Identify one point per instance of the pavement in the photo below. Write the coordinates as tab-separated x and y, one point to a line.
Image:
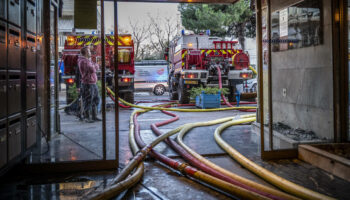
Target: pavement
81	141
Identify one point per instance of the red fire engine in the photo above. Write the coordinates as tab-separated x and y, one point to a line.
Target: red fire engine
72	47
194	61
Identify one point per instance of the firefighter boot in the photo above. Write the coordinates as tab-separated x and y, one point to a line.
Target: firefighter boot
94	115
87	118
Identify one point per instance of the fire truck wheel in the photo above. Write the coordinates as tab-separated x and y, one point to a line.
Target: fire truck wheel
231	94
159	90
173	95
129	97
184	95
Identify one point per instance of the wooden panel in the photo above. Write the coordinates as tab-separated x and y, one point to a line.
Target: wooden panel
331	163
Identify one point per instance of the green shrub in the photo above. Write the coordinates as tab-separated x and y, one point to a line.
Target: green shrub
196	91
72	91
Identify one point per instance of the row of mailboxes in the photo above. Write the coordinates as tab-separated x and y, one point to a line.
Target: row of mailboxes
12	58
11	136
14	13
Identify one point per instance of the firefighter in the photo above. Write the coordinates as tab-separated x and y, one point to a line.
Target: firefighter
89	89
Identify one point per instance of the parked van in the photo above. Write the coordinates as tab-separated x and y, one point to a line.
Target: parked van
152	76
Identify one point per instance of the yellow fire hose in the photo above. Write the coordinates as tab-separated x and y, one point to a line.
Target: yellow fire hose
254	71
129	181
180	109
248	182
133	179
278	181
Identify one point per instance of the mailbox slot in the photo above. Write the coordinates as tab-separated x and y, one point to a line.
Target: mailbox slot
14	93
31	53
31	90
14	137
3	94
14	48
3	41
31	128
14	13
3	142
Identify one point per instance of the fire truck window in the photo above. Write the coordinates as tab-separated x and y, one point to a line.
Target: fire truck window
123	56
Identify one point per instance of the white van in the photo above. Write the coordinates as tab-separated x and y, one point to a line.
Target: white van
152	76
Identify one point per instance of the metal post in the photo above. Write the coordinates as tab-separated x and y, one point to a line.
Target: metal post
103	71
47	89
116	84
260	74
57	117
269	63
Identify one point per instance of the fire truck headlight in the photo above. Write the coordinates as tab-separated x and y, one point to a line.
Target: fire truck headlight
189	44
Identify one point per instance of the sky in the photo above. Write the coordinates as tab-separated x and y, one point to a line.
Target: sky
138	12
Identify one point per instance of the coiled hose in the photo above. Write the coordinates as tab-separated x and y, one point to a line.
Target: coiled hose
278	181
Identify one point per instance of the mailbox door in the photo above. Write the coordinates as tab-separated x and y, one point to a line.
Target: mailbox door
14	93
14	13
3	94
3	143
14	138
14	48
3	41
31	53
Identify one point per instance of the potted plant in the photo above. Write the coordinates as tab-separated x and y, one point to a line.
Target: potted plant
208	97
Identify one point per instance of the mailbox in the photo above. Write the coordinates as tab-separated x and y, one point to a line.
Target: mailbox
31	53
14	48
13	93
3	143
3	9
14	12
31	90
3	94
31	16
3	41
14	136
31	128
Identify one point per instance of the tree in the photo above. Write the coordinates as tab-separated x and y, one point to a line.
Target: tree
236	20
139	34
161	32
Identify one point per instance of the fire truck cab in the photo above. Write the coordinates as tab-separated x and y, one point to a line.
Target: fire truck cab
126	71
194	61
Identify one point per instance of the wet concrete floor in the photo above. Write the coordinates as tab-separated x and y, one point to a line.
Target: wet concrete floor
80	141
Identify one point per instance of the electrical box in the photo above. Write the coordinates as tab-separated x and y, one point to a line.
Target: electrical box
3	43
14	93
31	128
3	94
3	143
31	90
31	53
14	137
14	13
31	16
14	48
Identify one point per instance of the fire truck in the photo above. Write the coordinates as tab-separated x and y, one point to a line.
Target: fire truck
194	61
71	51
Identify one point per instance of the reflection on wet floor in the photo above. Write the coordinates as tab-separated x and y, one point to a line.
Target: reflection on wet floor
159	182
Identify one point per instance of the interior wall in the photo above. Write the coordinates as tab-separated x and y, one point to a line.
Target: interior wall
307	75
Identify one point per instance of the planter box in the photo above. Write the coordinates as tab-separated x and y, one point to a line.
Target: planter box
208	100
